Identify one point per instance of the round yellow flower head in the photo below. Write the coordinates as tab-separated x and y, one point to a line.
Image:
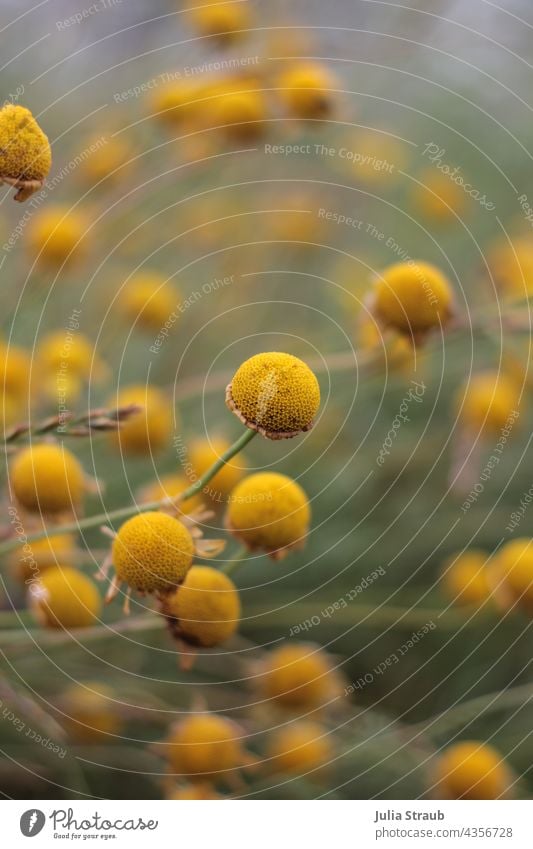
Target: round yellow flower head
299	676
275	394
299	748
466	577
395	350
514	566
203	453
58	235
108	160
153	552
511	264
25	155
15	368
69	354
308	90
412	297
176	103
147	300
224	21
149	430
90	713
269	512
65	598
371	157
171	486
438	197
205	610
30	559
205	747
241	113
472	770
488	402
47	479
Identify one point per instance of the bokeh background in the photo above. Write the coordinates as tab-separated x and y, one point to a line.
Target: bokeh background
251	242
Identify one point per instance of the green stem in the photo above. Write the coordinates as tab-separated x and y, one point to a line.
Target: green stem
236	562
126	512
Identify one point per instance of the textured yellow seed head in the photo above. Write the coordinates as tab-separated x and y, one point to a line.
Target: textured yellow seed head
299	748
90	712
466	577
205	746
206	607
298	675
64	598
514	566
58	235
412	297
153	552
24	149
149	430
147	300
487	402
472	770
203	453
308	90
47	479
276	394
269	512
30	559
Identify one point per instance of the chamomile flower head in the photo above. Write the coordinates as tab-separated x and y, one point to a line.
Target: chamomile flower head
152	552
90	713
25	155
488	402
62	597
472	770
203	453
58	235
299	748
412	297
308	90
206	746
47	478
176	103
147	300
298	675
30	559
269	512
205	610
147	431
466	577
223	21
275	394
514	567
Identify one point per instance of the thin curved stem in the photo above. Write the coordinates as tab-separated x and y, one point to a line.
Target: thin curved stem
132	509
236	562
